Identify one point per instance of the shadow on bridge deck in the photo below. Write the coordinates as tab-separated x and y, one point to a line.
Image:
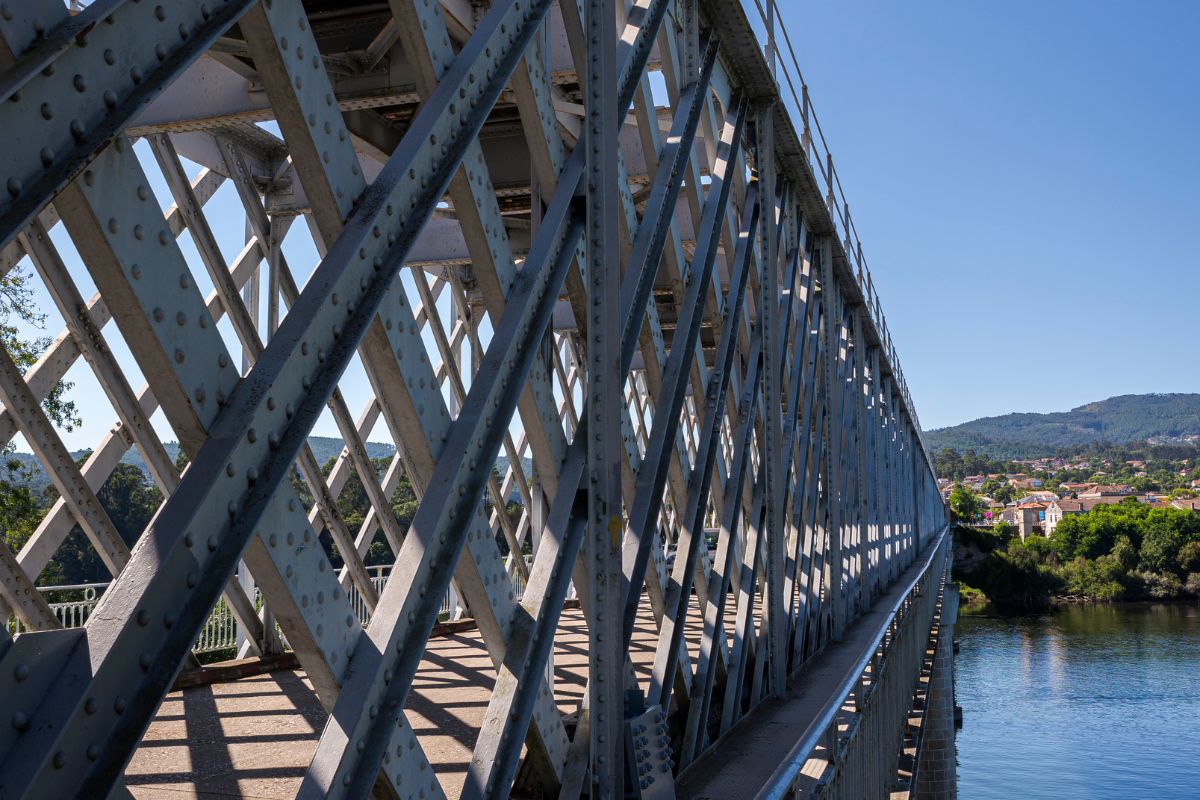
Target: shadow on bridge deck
255	737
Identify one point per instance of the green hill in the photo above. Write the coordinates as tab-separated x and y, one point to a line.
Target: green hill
1128	418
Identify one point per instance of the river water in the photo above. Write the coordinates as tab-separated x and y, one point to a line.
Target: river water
1092	702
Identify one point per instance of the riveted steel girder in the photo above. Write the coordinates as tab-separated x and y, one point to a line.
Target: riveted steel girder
574	271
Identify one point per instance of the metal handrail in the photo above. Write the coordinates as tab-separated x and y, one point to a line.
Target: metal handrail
780	782
72	587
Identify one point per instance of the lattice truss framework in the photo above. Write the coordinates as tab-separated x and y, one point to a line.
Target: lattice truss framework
445	160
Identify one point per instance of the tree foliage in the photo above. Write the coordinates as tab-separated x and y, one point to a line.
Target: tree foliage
1123	551
950	463
130	499
17	308
964	504
1157	535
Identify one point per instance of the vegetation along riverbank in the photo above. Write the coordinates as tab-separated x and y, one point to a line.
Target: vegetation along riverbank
1125	551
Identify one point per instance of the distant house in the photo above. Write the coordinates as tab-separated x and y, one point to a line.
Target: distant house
1059	509
1107	491
1108	500
1189	503
1030	518
1076	487
974	482
1037	497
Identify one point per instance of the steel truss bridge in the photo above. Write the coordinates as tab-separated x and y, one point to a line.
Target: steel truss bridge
588	261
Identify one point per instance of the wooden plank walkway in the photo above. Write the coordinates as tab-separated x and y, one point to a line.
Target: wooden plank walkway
254	737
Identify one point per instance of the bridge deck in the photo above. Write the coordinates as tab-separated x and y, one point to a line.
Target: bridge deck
762	739
255	737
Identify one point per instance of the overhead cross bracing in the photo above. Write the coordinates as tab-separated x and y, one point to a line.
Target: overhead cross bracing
592	239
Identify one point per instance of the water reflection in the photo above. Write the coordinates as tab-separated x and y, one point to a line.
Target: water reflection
1090	702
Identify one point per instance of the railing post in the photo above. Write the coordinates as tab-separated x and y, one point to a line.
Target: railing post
846	244
806	136
831	741
771	37
829	201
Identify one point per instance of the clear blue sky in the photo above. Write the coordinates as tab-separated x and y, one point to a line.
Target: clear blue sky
1025	177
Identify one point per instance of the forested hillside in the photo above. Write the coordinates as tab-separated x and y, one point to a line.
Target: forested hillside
1128	418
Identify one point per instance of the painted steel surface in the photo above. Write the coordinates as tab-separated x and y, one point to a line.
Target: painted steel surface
578	267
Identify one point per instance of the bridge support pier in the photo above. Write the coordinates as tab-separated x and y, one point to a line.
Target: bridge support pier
937	766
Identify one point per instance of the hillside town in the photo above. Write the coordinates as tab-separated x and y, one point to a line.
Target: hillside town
1037	499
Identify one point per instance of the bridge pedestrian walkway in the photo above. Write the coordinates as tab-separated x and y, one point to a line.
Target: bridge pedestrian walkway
761	741
254	737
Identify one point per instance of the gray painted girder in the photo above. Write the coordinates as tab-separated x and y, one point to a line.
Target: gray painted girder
89	77
841	458
277	382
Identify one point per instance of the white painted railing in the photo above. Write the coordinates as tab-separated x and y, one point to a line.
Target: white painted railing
72	613
221	632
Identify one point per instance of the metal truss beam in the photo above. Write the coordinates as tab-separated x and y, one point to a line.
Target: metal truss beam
75	88
647	309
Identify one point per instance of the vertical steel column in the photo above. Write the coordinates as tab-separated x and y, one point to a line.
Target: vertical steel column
604	384
861	559
775	497
831	323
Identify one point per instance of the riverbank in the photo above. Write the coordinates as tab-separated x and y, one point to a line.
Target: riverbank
1139	560
974	603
